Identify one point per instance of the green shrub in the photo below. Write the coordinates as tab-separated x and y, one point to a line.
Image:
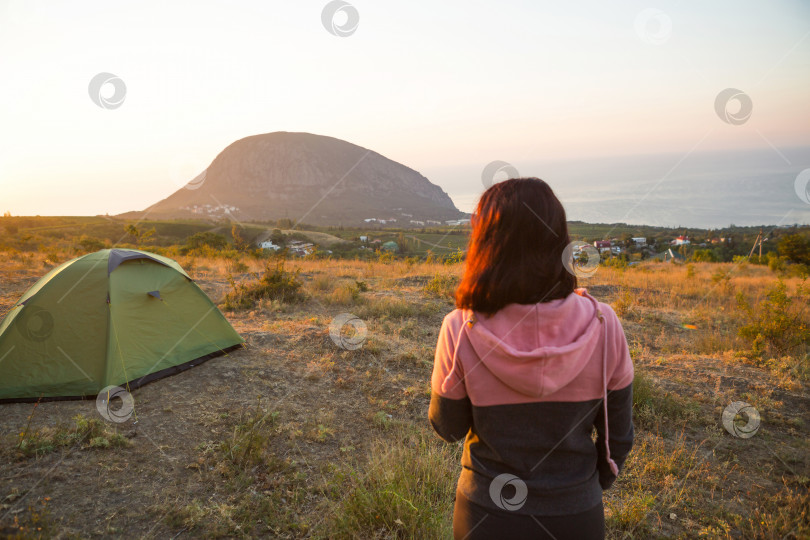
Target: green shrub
796	248
276	283
778	325
704	255
456	257
246	447
690	271
619	261
442	285
90	244
209	239
652	406
362	286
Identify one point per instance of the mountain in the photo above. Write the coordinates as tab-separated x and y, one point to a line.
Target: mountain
312	178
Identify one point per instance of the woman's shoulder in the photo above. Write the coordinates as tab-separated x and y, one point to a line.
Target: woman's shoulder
604	308
457	317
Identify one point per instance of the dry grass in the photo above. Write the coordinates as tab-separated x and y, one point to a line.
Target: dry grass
295	437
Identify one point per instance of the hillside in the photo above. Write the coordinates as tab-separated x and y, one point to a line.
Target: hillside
312	178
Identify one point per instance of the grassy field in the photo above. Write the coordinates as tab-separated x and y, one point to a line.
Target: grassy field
296	437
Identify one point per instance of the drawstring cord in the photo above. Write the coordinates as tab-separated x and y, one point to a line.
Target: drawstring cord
613	467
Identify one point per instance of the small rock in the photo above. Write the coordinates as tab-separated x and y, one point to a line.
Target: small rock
673	516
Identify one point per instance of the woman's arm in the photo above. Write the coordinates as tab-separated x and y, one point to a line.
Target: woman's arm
450	411
451	418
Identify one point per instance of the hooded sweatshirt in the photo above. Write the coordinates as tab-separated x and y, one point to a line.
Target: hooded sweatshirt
526	387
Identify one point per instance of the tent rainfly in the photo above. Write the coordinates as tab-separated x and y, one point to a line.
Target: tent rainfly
115	317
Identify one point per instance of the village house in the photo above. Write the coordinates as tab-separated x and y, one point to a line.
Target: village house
680	241
602	245
297	247
669	256
417	222
640	241
364	239
268	244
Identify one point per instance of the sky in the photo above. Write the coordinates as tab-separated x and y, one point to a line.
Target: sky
444	88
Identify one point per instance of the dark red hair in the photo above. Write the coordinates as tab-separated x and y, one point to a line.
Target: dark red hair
519	233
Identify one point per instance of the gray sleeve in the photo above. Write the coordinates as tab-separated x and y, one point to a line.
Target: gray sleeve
451	418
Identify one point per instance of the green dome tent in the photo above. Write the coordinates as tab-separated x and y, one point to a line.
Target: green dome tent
115	317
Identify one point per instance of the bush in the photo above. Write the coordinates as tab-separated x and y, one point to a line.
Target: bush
346	294
90	244
652	405
275	284
796	248
778	325
456	257
704	255
619	261
212	240
442	285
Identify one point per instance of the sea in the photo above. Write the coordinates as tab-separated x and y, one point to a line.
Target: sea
709	190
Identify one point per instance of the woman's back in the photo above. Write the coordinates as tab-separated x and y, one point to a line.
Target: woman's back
535	376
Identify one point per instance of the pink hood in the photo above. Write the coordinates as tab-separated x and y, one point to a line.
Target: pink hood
536	349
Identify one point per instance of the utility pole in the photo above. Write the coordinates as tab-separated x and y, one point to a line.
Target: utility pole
757	241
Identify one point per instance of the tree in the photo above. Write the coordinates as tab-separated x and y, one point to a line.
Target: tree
277	237
139	237
132	230
90	244
212	240
239	241
146	236
704	255
796	248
